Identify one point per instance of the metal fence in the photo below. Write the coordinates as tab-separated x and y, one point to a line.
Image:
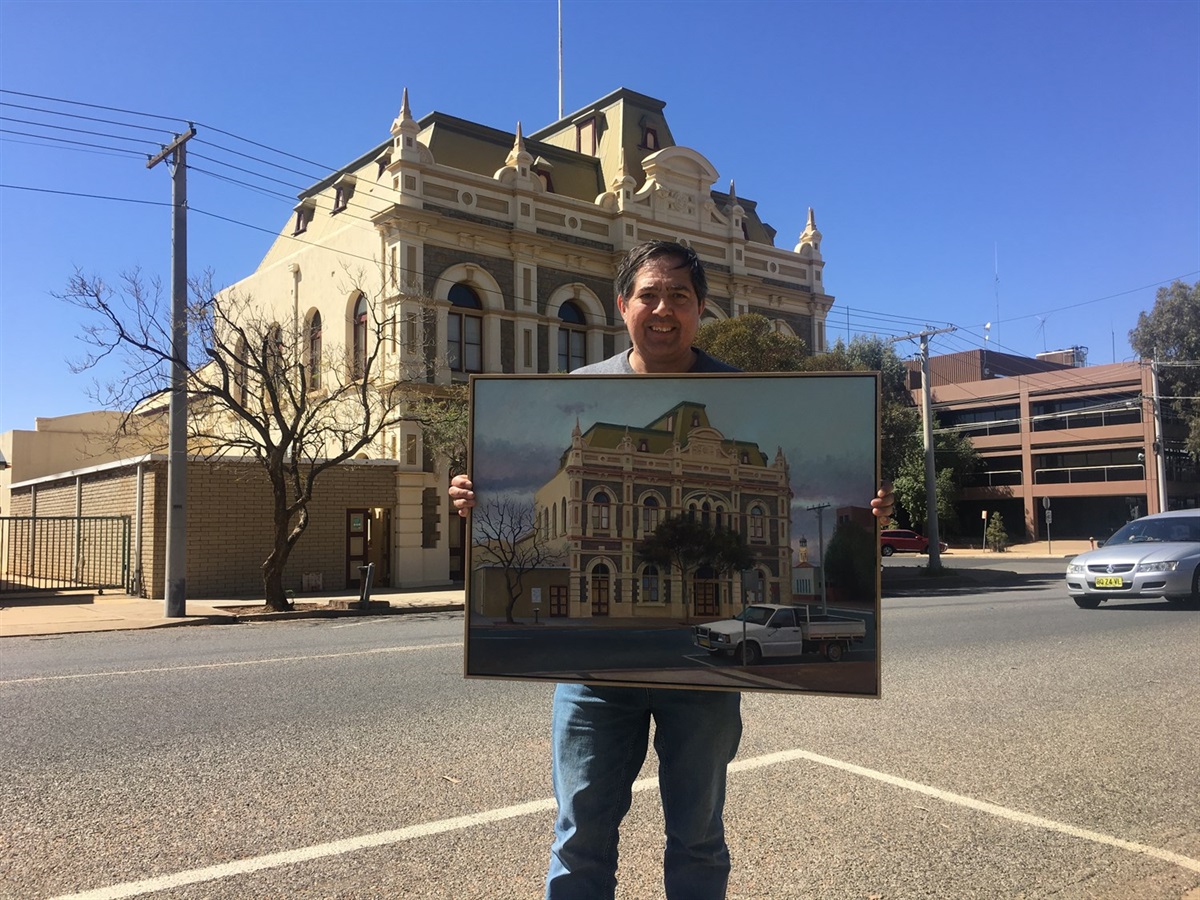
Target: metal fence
55	553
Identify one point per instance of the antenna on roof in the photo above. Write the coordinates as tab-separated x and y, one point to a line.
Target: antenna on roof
1042	328
997	283
560	108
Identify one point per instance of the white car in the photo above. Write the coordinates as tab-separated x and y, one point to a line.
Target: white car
1154	556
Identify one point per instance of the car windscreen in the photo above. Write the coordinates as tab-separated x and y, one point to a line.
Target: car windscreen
1149	530
755	615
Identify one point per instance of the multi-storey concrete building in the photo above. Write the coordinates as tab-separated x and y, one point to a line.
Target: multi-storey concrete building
1078	442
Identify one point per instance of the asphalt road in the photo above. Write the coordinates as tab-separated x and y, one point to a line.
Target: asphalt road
1023	748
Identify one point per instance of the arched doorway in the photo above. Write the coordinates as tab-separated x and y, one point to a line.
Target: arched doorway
601	588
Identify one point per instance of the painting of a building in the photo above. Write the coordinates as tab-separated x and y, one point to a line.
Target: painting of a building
616	483
615	514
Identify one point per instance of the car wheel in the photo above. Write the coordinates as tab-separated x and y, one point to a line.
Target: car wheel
887	550
753	653
833	651
1087	602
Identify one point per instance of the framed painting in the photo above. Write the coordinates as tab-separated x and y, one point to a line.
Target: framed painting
686	531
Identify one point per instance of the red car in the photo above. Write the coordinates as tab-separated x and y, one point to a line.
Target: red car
900	540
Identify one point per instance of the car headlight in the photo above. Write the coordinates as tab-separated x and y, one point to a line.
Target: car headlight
1076	568
1164	566
721	638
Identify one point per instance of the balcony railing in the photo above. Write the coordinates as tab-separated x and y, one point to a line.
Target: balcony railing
1089	474
998	478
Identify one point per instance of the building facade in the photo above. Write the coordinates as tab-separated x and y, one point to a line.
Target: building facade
1066	451
617	483
229	525
488	251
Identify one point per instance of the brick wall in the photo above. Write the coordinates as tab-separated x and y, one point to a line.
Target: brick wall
229	530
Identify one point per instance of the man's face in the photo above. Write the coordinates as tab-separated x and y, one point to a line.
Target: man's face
661	315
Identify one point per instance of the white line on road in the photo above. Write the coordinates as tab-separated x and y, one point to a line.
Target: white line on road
232	664
991	809
459	823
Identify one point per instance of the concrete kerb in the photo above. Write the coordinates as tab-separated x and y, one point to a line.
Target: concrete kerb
31	617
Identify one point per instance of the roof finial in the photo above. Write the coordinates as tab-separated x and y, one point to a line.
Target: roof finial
811	237
518	155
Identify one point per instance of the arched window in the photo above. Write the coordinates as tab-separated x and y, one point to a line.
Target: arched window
273	356
239	371
553	519
464	331
758	530
314	351
564	515
572	337
650	514
601	512
359	360
650	585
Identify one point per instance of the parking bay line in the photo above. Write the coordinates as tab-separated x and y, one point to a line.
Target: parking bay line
233	663
459	823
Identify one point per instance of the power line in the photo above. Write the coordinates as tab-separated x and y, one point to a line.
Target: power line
47	137
81	117
127	112
21	187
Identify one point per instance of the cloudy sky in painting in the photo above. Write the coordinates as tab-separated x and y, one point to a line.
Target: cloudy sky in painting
825	426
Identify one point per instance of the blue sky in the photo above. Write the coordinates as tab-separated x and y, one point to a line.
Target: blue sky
1061	139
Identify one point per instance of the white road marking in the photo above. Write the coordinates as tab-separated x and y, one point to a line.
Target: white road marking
983	806
459	823
227	665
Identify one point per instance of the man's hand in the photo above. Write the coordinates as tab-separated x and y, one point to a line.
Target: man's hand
464	497
884	503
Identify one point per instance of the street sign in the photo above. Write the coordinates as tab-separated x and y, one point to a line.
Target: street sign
983	515
1049	515
1045	503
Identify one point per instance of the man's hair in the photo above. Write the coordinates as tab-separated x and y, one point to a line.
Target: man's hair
648	250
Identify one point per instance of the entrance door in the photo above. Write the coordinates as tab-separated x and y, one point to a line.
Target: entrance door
600	590
358	543
706	598
558	600
704	589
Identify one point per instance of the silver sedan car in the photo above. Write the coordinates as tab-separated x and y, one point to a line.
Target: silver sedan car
1154	556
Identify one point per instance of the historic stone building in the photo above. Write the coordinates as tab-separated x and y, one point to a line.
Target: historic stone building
493	251
617	482
482	250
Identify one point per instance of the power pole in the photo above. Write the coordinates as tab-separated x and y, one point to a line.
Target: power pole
820	508
176	561
931	516
1160	446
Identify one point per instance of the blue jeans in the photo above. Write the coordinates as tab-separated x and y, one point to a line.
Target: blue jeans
600	737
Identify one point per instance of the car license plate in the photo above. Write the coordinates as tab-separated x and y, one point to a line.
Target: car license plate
1109	581
703	642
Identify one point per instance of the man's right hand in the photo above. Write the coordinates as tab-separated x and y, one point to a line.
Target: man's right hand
461	494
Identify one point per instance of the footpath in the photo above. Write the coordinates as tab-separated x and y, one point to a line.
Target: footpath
72	613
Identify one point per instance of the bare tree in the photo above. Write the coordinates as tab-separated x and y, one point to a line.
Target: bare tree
281	393
506	534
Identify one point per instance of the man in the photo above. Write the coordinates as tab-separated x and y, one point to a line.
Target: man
600	733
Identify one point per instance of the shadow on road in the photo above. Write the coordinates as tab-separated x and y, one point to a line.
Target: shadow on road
909	581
